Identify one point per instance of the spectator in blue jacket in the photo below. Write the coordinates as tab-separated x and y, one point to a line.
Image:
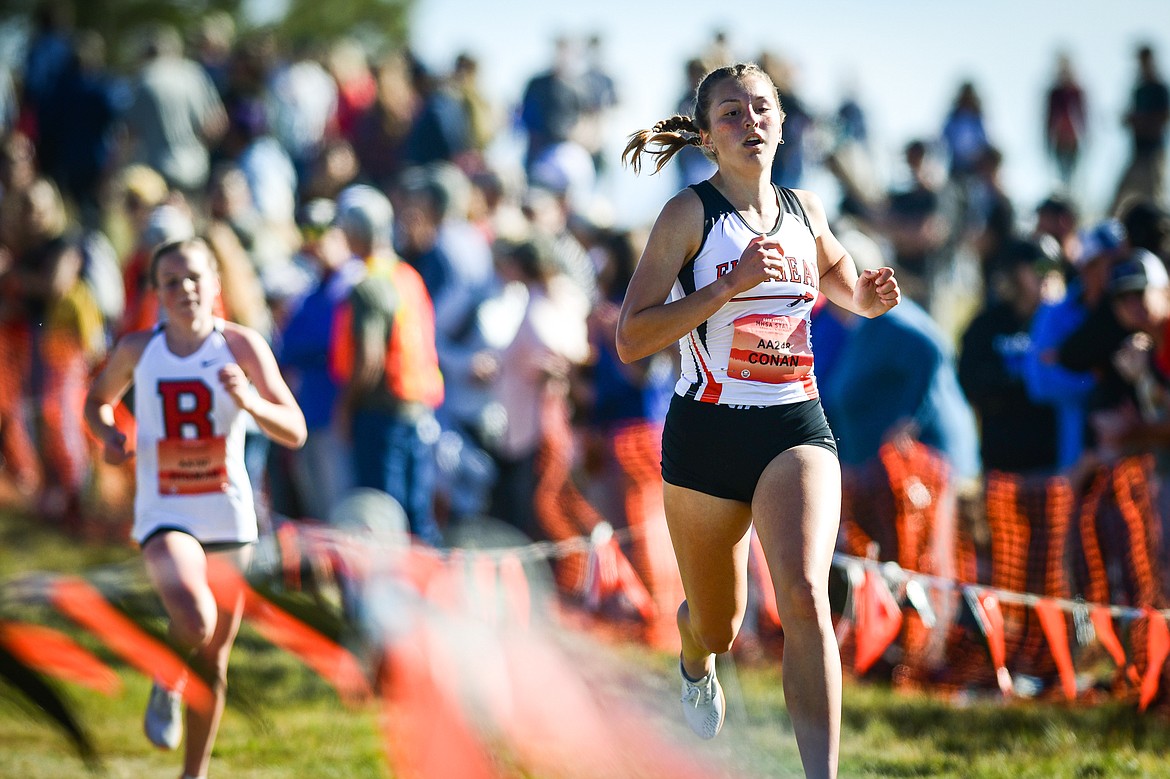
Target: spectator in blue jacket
1047	379
321	467
896	373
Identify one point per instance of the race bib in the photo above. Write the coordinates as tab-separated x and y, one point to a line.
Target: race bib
196	466
769	348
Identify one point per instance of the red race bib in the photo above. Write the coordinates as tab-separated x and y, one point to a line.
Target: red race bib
195	466
769	348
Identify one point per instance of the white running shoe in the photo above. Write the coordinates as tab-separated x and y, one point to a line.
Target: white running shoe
164	717
703	704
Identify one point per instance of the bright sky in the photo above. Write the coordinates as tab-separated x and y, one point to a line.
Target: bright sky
906	58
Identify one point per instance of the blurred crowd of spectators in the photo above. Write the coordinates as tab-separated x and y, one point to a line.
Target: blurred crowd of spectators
1032	340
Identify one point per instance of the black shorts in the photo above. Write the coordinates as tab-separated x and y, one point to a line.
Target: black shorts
723	450
208	546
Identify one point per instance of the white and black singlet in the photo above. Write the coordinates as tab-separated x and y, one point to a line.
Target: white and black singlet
190	445
757	349
747	391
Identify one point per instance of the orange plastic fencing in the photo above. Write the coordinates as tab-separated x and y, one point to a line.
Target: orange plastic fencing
1047	546
637	447
899	504
561	510
1029	520
1119	558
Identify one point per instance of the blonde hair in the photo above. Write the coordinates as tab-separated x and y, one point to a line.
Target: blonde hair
669	136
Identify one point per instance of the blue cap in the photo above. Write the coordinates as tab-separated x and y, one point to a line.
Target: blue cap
1101	238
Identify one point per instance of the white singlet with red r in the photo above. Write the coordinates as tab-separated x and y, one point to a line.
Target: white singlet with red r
757	349
190	445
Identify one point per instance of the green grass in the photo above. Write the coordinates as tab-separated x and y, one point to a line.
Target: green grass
899	734
301	735
285	721
282	721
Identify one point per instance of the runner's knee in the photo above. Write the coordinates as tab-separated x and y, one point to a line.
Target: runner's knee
800	600
193	623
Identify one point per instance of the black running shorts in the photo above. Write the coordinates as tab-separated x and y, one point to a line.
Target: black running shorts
723	450
208	546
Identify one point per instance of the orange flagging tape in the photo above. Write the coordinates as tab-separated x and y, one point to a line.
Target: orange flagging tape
332	661
53	653
992	619
1055	630
879	620
1158	647
426	734
1103	625
82	603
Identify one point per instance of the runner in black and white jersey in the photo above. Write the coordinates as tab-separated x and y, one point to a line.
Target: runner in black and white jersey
754	350
739	264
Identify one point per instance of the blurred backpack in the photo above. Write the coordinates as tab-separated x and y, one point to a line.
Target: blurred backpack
412	372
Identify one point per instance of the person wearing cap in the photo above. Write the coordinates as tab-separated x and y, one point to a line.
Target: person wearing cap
1059	367
1141	271
455	261
1136	427
1139	292
319	473
1016	434
143	188
382	352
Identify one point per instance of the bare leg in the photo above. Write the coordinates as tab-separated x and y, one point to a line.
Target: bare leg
177	566
797	509
710	541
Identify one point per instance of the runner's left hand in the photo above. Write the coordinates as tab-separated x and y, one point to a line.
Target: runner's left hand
876	292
